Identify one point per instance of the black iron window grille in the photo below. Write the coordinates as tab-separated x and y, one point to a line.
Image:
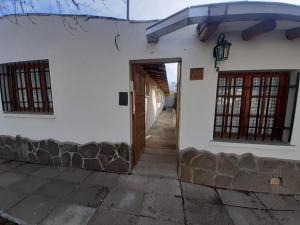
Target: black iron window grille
257	106
26	87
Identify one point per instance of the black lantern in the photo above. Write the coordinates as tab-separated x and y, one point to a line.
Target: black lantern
221	51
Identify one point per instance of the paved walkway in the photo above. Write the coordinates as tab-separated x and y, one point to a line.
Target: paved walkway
160	156
161	138
36	194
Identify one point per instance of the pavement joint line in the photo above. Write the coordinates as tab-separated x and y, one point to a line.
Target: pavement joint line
155	175
12	218
269	212
90	174
183	202
27	195
227	212
50	211
261	209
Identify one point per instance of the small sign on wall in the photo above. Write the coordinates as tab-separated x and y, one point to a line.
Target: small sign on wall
123	98
196	73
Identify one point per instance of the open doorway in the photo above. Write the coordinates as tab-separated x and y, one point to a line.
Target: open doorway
155	115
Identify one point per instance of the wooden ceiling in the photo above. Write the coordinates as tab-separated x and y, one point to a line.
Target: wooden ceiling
158	73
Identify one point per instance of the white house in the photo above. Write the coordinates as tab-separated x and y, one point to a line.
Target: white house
64	92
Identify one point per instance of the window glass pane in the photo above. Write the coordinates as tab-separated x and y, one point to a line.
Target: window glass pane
275	81
237	106
256	81
2	88
255	91
252	125
218	129
49	95
47	78
235	121
222	82
19	82
239	81
274	91
37	98
219	120
22	74
35	78
7	87
238	91
221	91
229	105
270	122
228	123
32	78
272	106
254	106
23	102
220	105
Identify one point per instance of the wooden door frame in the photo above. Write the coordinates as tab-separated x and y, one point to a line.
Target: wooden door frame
178	99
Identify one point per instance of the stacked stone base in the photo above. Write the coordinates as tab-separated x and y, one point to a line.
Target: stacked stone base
111	157
239	172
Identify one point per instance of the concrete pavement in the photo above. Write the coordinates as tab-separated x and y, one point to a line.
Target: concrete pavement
36	194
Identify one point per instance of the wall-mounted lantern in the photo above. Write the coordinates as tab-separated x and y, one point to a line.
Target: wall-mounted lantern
221	50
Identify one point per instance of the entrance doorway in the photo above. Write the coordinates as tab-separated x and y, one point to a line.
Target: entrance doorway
155	99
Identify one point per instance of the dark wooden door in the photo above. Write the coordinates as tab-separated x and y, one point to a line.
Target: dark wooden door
138	112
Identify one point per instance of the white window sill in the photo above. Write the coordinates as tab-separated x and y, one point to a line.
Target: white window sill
24	115
252	145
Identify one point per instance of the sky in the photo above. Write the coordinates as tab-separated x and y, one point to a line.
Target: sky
139	9
171	69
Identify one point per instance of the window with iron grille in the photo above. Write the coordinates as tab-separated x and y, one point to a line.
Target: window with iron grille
26	87
255	106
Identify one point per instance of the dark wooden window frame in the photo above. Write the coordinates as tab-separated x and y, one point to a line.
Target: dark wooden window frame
26	87
227	96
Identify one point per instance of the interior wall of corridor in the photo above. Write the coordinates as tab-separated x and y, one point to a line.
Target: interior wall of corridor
154	102
88	71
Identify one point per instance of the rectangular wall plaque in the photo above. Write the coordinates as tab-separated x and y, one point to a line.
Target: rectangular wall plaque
196	73
123	98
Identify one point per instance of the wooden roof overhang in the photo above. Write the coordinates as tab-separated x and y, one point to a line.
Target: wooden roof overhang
158	73
251	18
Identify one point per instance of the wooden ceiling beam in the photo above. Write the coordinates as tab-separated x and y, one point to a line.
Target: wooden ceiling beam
293	34
258	29
154	65
207	30
154	69
157	76
155	72
158	73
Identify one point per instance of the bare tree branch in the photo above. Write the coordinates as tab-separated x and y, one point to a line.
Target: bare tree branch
62	8
76	4
27	7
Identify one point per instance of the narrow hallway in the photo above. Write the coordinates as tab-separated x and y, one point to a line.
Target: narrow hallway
160	156
162	135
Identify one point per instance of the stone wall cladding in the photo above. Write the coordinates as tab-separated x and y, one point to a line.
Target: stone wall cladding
104	156
239	172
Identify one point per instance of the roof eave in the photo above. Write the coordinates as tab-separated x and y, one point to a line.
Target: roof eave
225	12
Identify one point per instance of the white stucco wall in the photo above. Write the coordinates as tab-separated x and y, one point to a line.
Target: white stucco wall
154	102
87	72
